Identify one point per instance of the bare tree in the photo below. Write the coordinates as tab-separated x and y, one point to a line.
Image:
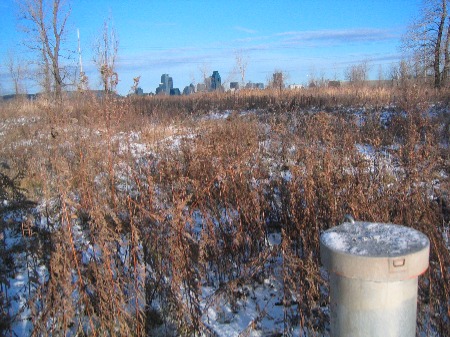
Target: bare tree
335	72
241	65
106	48
357	74
17	70
312	77
393	73
380	75
404	73
205	70
278	80
45	27
427	40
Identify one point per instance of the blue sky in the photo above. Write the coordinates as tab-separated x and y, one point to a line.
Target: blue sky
184	38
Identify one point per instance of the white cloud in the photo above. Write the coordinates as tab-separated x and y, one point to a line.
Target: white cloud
245	30
339	35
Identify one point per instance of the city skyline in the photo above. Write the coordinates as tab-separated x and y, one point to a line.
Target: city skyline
186	39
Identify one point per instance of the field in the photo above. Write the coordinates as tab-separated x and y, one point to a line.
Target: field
201	215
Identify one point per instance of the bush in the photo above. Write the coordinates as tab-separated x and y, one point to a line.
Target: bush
144	202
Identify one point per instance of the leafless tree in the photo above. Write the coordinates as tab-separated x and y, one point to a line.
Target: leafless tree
241	65
205	71
380	75
405	73
335	72
402	73
45	26
277	80
427	39
312	77
105	57
17	70
357	74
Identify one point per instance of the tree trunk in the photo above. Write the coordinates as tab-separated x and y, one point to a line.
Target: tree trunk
47	81
57	32
437	47
445	71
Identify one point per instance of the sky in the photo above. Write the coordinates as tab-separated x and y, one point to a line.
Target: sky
303	38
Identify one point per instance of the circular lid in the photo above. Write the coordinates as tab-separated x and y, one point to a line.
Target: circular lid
374	251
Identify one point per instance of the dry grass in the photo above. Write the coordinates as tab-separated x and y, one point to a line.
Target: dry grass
143	201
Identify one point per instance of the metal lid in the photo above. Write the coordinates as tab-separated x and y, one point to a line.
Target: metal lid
374	251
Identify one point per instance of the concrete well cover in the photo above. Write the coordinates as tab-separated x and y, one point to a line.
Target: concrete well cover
374	251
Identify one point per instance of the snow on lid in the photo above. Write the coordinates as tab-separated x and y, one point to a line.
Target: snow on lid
373	239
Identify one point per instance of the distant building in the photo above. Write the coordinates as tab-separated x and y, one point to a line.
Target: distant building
190	89
165	86
166	80
234	85
295	86
10	97
201	87
208	83
160	90
334	84
175	92
215	81
139	92
256	86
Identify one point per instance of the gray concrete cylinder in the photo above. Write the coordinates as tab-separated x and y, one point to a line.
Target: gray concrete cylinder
374	269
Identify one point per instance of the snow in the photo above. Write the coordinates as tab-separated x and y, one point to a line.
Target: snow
218	115
286	175
374	239
274	239
18	309
378	159
255	308
335	241
258	311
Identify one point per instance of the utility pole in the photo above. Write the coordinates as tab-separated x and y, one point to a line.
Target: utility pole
79	52
83	78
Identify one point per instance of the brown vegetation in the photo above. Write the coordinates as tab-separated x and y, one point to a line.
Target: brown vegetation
124	237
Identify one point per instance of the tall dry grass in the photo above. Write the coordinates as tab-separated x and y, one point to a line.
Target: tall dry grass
143	202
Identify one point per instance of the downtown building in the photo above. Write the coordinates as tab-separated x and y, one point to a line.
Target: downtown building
216	83
165	86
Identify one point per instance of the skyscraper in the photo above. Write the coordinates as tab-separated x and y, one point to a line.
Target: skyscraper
166	85
170	84
215	81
